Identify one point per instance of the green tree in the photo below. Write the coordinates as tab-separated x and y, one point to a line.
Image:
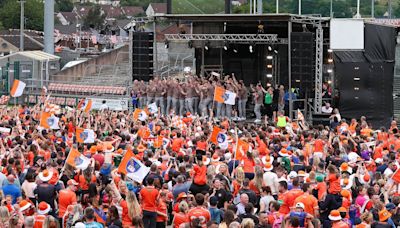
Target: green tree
63	6
95	18
10	14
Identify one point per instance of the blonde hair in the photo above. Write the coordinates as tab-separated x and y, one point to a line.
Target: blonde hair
239	175
183	206
133	205
258	178
248	223
48	222
4	214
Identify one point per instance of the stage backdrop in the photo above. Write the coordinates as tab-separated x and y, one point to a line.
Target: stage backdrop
365	78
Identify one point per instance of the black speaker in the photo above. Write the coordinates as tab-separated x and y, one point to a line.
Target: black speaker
142	56
303	60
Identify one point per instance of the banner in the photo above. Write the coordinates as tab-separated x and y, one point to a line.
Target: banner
112	104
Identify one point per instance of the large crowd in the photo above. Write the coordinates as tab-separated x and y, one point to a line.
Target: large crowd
196	163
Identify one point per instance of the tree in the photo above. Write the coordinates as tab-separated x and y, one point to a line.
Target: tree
63	6
94	19
34	11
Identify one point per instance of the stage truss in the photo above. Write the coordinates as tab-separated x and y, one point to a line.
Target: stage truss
233	38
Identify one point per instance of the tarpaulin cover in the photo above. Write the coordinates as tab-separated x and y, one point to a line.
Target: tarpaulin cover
365	78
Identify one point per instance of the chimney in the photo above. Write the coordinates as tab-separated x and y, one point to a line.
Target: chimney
169	6
228	6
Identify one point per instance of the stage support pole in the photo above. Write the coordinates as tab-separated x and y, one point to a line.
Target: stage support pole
290	68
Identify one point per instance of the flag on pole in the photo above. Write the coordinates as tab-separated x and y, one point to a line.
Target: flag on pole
152	108
224	96
84	135
219	138
133	168
17	88
214	134
139	114
241	148
87	105
77	160
48	121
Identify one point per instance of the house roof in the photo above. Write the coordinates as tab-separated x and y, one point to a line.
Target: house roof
111	11
12	36
132	10
36	55
159	7
69	16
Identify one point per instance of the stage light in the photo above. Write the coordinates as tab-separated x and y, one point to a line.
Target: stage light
166	44
251	48
276	51
298	80
330	70
329	82
269	66
330	60
270	57
190	44
235	50
226	44
269	48
206	45
269	75
330	50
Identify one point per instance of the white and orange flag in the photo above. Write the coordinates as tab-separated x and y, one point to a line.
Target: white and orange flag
17	88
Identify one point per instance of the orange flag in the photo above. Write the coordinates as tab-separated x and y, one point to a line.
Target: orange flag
396	176
241	146
214	135
122	168
44	120
219	94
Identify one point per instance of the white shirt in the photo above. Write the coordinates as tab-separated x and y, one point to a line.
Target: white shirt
103	107
327	110
271	180
28	188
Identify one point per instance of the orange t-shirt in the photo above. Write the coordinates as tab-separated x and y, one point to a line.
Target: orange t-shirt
287	202
149	199
39	221
200	175
334	184
162	208
125	216
236	187
83	183
296	193
309	201
248	165
340	224
200	213
321	187
201	145
319	145
177	144
180	218
66	197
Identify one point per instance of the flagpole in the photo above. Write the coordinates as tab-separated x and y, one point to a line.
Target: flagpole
236	148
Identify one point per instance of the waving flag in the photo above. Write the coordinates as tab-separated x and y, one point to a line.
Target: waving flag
152	108
214	134
219	138
48	121
77	160
139	114
86	105
241	146
84	135
133	168
224	96
17	88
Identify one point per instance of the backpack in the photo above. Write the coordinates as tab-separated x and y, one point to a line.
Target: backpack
277	221
268	99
